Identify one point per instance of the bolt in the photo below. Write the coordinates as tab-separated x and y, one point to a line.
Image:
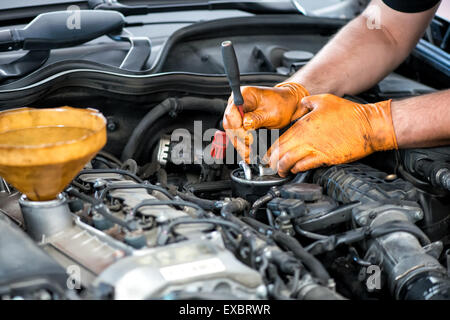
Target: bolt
99	184
268	254
362	221
111	124
261	292
372	215
390	177
418	215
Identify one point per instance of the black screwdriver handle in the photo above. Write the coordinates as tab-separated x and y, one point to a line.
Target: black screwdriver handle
232	70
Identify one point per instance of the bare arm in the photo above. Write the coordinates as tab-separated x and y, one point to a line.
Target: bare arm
358	57
422	121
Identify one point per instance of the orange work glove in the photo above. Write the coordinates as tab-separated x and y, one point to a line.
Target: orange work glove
271	108
335	131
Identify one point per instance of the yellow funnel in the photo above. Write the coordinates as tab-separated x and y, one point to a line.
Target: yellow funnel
41	150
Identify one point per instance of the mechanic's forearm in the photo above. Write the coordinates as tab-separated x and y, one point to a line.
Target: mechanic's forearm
353	61
422	121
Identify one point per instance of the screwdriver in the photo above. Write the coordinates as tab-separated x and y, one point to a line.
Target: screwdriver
232	70
230	62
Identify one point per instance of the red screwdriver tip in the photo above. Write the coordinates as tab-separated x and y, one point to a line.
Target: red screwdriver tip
241	111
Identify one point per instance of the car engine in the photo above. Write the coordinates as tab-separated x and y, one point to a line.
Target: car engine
154	216
179	231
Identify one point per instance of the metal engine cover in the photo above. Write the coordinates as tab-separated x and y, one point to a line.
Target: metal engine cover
191	266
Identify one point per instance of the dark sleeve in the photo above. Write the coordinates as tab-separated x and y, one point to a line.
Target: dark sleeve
411	6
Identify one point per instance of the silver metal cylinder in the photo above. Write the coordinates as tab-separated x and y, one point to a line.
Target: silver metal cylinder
45	218
401	254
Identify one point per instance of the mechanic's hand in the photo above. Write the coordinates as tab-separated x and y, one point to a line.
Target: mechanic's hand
271	108
334	131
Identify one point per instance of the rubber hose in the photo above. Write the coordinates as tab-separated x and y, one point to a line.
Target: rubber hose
235	206
139	132
206	204
314	265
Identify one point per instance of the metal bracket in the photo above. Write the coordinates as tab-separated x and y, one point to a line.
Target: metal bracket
138	53
259	167
4	186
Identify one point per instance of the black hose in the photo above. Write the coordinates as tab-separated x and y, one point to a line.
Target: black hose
130	165
139	132
233	207
208	186
273	193
103	161
259	203
309	234
258	226
314	265
206	204
416	182
109	157
329	243
135	142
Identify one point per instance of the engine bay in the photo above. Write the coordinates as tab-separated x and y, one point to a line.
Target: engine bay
154	216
